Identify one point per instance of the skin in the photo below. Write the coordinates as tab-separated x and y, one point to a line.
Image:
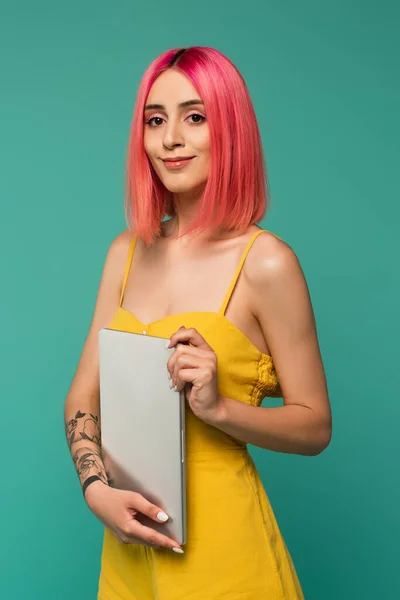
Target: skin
178	131
272	308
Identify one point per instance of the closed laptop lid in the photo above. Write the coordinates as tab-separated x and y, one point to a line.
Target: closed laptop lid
143	424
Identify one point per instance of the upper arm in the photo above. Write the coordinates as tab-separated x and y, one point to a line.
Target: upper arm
283	308
85	384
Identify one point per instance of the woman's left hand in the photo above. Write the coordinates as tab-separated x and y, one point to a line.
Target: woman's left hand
194	368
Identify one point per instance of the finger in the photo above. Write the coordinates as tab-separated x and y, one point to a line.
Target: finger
181	363
185	356
193	376
197	372
170	363
198	378
184	364
153	537
184	360
177	381
138	502
188	335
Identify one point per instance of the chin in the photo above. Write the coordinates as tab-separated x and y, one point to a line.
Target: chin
178	189
182	187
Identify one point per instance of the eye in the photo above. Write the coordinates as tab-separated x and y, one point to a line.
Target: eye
197	118
154	121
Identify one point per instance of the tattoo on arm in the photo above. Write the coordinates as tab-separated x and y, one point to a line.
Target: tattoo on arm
90	429
88	461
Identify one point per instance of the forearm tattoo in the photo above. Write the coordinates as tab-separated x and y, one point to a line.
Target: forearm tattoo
88	461
84	426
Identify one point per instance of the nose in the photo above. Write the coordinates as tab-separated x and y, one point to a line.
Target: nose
172	135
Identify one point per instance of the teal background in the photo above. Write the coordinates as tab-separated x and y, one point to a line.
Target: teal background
324	80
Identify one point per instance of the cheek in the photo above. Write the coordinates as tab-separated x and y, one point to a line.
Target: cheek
204	142
148	146
151	151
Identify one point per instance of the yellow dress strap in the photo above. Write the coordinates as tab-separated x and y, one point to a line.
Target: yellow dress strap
238	270
127	268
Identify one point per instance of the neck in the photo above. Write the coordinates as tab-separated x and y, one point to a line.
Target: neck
187	206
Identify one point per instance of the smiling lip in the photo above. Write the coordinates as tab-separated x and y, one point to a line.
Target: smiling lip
176	162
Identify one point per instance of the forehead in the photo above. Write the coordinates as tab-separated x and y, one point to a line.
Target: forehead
170	88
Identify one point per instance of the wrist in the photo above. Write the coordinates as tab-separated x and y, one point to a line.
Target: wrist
219	415
90	487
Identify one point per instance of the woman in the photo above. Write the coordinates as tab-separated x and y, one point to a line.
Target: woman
211	277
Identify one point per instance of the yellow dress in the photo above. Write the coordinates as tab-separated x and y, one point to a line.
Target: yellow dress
234	548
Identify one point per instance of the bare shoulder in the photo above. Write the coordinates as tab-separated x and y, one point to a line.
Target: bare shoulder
115	263
270	260
111	279
120	245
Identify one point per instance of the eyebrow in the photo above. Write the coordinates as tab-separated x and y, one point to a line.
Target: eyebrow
181	105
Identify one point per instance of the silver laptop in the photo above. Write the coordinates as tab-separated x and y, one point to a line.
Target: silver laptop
143	425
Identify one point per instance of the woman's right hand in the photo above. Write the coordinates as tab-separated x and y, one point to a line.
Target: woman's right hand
117	510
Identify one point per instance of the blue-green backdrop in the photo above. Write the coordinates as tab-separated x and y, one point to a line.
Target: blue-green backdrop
324	80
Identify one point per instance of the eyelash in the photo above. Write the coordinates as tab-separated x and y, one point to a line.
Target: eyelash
148	122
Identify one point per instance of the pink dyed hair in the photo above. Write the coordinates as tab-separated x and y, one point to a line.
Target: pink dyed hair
235	194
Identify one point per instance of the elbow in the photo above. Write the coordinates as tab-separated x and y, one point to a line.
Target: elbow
322	439
319	448
323	442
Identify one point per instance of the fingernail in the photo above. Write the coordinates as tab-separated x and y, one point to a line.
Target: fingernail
161	516
178	550
175	388
167	343
169	374
171	385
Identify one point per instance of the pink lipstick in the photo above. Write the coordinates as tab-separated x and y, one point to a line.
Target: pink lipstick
176	163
